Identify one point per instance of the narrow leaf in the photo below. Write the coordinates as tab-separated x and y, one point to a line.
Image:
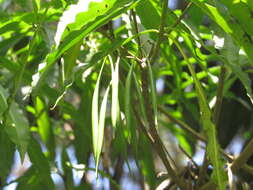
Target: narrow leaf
3	102
95	113
98	120
153	92
41	164
213	148
17	127
101	126
115	83
140	97
128	98
44	126
231	52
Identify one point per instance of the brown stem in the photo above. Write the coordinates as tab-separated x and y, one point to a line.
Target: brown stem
156	143
118	171
219	96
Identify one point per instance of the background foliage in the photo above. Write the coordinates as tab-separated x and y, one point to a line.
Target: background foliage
119	94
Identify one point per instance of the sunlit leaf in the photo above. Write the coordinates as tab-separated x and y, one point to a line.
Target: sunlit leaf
88	24
3	102
115	101
98	119
229	25
44	126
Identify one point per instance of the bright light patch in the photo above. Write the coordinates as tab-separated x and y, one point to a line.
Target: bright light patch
218	42
242	52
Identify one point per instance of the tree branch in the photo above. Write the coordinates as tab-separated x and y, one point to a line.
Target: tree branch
243	157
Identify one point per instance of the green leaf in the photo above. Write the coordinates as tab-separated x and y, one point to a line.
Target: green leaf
140	97
115	83
153	92
149	16
70	57
128	105
95	113
242	12
7	150
231	52
17	128
75	35
98	123
101	125
3	102
229	25
82	122
219	175
44	126
68	174
146	160
40	164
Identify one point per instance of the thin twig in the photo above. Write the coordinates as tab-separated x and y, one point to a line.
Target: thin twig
182	124
155	50
160	151
179	18
243	157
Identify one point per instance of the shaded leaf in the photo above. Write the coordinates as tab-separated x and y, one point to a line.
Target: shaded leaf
17	128
41	164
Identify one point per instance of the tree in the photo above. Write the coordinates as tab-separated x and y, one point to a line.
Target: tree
124	92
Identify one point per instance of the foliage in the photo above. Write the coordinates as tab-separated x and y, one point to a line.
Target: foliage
124	91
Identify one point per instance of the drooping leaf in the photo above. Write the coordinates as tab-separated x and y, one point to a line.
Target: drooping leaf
242	12
68	173
146	162
70	58
95	113
7	150
17	128
115	101
3	102
231	52
213	148
153	92
140	98
128	112
101	125
44	127
83	25
41	164
98	119
229	25
30	180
